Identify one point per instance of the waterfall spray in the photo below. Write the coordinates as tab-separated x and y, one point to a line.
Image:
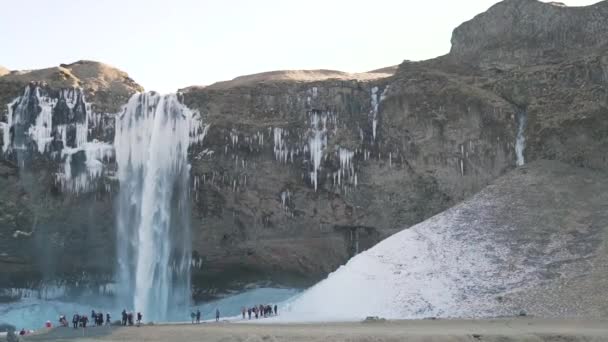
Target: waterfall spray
153	215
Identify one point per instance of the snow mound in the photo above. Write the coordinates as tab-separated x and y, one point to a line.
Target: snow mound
521	233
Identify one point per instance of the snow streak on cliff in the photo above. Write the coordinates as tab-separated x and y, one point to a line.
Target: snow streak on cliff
153	243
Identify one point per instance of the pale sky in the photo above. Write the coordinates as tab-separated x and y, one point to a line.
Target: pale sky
169	44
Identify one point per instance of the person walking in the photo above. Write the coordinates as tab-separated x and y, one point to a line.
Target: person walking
139	317
192	316
75	320
217	315
198	316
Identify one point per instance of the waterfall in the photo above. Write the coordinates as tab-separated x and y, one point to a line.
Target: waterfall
153	133
520	139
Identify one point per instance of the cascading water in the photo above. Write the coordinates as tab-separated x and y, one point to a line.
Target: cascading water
520	139
153	216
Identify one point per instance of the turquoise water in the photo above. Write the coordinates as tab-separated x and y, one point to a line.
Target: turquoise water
31	313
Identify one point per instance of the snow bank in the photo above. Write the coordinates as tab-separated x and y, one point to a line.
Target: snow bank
446	266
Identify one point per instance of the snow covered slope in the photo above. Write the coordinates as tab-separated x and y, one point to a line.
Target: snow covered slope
506	249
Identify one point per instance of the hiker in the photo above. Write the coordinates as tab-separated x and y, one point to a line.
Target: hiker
249	312
276	312
124	317
75	320
192	316
198	316
108	318
217	315
139	317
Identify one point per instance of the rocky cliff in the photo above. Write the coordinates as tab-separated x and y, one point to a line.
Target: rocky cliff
300	170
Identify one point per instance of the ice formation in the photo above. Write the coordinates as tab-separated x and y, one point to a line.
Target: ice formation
281	152
316	144
347	167
374	112
520	140
58	126
152	137
376	99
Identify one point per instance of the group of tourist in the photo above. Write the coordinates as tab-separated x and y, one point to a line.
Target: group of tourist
259	311
127	318
97	318
196	316
256	311
82	320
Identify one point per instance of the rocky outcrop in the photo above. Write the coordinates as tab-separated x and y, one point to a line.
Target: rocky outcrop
299	170
515	33
105	87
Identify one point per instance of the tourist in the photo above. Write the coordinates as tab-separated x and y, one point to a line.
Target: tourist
94	317
130	318
108	318
249	312
217	315
124	317
243	311
198	316
255	311
139	317
75	320
276	312
84	320
63	321
193	316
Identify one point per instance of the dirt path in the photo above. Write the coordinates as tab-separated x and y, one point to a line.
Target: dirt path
525	329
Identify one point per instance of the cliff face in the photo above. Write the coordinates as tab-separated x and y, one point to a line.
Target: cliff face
301	170
515	33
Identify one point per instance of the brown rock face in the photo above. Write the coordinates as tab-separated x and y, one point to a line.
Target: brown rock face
514	33
106	87
300	170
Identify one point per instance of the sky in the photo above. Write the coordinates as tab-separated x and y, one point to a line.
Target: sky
170	44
